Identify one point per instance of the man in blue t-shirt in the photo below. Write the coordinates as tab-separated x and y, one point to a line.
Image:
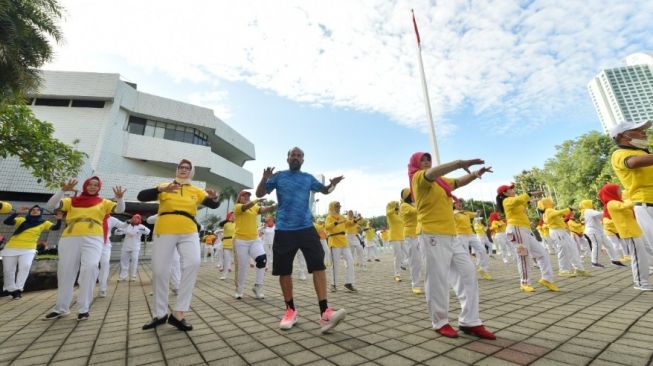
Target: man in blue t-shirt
295	231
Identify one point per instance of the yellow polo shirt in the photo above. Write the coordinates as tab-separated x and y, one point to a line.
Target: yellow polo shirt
609	227
395	224
351	227
498	226
463	222
6	207
369	234
638	181
624	219
320	230
96	213
516	209
246	228
575	227
186	199
555	218
479	228
339	240
543	230
385	235
408	214
229	229
28	238
434	207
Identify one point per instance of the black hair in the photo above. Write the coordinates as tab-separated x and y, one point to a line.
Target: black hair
408	199
500	198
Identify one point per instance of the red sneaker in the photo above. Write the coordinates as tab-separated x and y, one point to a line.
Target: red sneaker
479	331
447	331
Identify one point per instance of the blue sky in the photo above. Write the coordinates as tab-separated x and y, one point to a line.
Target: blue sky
507	79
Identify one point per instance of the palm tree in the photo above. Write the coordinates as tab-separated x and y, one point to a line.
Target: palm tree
26	27
228	194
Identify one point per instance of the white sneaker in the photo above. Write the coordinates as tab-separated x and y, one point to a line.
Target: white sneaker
258	291
223	277
133	279
331	318
238	296
302	276
644	288
102	293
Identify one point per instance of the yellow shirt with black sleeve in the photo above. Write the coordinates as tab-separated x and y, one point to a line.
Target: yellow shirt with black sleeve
229	229
575	227
385	235
351	226
369	234
638	181
246	228
479	228
335	229
555	218
408	214
396	225
516	209
624	219
77	218
5	207
434	206
28	238
463	222
498	226
186	199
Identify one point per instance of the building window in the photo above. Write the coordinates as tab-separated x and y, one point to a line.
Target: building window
168	131
50	102
87	103
136	125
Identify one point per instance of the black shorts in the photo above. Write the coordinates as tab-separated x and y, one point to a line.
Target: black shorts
287	243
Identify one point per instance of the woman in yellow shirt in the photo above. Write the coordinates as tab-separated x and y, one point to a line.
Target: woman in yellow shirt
465	234
335	229
577	232
519	234
610	231
248	244
229	228
352	227
396	228
19	251
319	227
568	254
447	261
498	231
176	230
623	216
80	246
408	214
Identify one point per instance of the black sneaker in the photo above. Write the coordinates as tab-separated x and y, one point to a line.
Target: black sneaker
4	293
17	294
597	265
377	260
403	267
82	316
155	322
350	287
179	324
618	264
54	315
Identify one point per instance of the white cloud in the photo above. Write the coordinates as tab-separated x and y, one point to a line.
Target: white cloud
514	66
216	100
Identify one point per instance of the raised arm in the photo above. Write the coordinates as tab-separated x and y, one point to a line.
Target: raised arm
267	174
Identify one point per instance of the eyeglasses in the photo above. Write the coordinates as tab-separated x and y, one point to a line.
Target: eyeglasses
184	167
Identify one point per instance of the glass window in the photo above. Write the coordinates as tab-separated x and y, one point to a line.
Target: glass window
169	133
159	131
188	136
136	125
88	103
52	102
149	128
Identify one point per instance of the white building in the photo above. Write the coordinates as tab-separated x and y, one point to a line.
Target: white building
624	93
132	139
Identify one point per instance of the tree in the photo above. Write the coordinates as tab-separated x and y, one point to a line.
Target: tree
228	194
211	221
29	139
26	28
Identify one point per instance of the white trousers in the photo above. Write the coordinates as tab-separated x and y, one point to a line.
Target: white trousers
568	255
16	281
357	249
618	245
175	270
246	249
336	253
485	243
127	256
415	258
268	253
501	242
227	260
105	266
217	253
448	262
471	241
405	255
599	240
327	252
582	244
164	261
301	262
399	255
207	249
640	262
644	216
550	247
77	253
521	235
371	250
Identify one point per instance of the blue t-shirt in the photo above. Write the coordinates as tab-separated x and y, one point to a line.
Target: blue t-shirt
293	192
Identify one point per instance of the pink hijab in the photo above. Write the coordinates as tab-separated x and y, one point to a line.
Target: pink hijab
414	165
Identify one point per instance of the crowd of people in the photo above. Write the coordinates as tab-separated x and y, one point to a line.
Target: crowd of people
432	237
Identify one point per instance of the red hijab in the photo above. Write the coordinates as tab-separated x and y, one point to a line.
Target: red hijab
415	165
609	192
494	216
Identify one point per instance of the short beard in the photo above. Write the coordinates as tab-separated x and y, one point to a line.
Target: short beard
294	167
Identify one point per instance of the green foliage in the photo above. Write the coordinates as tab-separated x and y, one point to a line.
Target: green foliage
24	136
578	170
26	30
228	194
378	222
211	221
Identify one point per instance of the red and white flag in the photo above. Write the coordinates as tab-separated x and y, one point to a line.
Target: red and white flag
419	43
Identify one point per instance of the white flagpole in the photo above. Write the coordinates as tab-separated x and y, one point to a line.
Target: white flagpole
427	102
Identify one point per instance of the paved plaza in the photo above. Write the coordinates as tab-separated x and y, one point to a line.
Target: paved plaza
598	320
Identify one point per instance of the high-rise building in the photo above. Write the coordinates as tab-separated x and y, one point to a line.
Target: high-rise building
624	93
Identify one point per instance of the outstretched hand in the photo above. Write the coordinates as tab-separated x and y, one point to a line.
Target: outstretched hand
268	172
119	192
170	188
465	164
212	194
479	173
336	180
70	185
